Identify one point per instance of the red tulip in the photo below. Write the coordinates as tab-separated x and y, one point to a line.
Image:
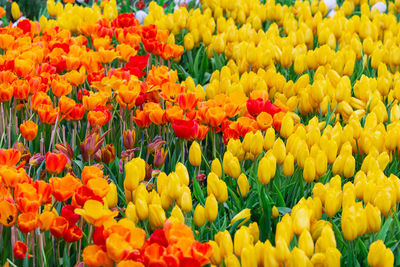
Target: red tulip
185	129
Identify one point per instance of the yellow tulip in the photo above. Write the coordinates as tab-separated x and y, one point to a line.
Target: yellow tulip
195	154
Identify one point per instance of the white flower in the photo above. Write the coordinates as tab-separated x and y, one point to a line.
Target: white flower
140	15
381	6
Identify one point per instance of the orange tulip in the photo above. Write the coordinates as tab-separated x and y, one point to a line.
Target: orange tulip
9	157
44	191
98	118
2	12
94	256
215	116
130	263
28	130
142	119
76	78
20	89
66	105
117	247
55	163
27	197
264	120
11	177
187	101
174	113
73	234
20	250
6	92
27	222
45	220
63	188
158	116
127	95
47	114
58	226
8	213
90	172
60	87
39	99
99	186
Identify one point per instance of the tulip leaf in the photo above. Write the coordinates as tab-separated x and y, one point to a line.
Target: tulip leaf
265	220
66	259
235	198
281	201
235	225
384	229
198	193
363	249
284	210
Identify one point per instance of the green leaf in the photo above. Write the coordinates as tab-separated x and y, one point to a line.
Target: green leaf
265	220
384	229
234	226
238	204
198	193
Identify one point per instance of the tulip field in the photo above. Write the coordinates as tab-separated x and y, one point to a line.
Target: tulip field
200	133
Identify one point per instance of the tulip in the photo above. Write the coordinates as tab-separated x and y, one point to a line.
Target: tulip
195	154
243	215
112	196
379	255
59	226
247	257
212	184
94	255
95	213
264	170
131	181
174	186
45	219
199	215
256	144
298	258
309	172
73	234
188	41
333	202
15	11
142	209
156	216
186	200
20	249
275	212
28	130
211	208
242	239
27	222
301	221
182	173
130	213
288	165
243	185
216	255
8	213
232	261
55	163
129	139
225	243
176	214
306	243
216	167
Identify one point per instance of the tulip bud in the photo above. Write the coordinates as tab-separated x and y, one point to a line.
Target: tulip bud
216	254
142	210
232	261
282	250
131	181
199	216
195	154
130	213
129	139
182	173
176	214
306	243
15	11
159	158
269	138
254	231
225	243
243	185
333	202
242	239
378	255
309	170
321	161
247	257
301	221
156	216
264	171
287	126
256	144
349	166
216	167
288	165
211	208
275	212
186	200
174	186
244	214
108	154
112	196
188	41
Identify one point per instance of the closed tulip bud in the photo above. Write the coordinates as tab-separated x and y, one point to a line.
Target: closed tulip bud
112	196
259	248
298	257
219	44
174	187
279	150
257	144
242	239
142	210
322	163
186	200
275	212
247	141
287	126
288	165
282	250
199	215
269	138
300	65
306	243
216	254
331	150
349	166
244	214
232	261
338	165
234	169
177	215
254	231
333	256
247	257
243	185
166	201
309	172
15	11
195	154
182	173
373	218
129	139
131	181
383	201
225	243
211	208
333	202
222	195
377	254
264	171
130	213
188	41
212	184
301	221
156	216
216	167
